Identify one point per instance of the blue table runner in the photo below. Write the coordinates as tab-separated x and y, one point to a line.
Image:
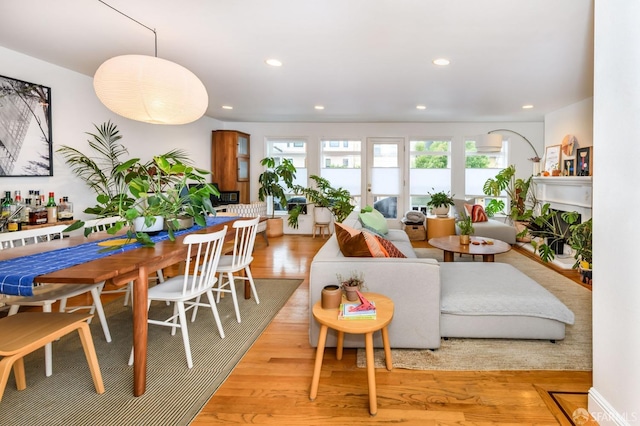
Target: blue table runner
17	275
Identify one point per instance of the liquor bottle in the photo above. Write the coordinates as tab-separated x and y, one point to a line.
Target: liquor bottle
38	214
65	209
7	205
26	211
52	209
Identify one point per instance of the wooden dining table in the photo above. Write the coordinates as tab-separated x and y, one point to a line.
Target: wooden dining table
132	265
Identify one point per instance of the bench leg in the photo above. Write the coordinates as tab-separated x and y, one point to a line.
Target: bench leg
90	354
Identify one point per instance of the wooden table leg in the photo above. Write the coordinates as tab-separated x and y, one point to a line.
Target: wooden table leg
339	345
371	374
488	257
387	348
322	340
448	256
140	329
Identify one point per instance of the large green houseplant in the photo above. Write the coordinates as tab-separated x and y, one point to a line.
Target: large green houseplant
279	174
131	189
323	195
549	232
519	193
580	240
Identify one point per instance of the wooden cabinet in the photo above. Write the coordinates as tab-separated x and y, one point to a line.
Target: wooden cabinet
230	162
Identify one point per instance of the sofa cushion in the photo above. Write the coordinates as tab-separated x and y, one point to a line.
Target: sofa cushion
390	248
374	221
351	241
476	212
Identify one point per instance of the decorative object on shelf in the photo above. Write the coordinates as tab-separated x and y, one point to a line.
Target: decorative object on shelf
584	160
568	167
150	89
567	145
440	203
465	225
337	200
552	157
492	142
352	284
331	297
26	106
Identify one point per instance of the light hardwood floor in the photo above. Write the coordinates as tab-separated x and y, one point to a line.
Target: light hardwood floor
271	383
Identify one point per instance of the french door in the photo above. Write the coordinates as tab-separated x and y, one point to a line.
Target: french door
384	175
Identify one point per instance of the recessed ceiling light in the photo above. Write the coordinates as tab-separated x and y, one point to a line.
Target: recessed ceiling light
421	107
319	107
273	62
529	106
441	61
227	107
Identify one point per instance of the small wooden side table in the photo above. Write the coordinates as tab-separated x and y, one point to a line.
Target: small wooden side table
328	318
440	227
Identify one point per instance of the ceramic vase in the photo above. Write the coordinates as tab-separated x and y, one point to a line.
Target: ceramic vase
465	240
351	293
331	297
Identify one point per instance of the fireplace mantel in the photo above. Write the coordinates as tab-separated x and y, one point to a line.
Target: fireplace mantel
566	193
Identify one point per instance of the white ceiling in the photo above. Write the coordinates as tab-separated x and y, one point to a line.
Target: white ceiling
364	60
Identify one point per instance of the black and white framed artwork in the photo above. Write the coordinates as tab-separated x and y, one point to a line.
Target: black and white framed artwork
25	129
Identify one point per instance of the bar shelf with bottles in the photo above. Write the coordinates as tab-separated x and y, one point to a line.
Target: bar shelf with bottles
32	212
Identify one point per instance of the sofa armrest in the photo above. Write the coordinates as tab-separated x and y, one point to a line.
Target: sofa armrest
412	283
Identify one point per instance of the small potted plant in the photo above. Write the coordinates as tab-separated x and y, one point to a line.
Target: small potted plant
465	225
440	202
351	284
279	172
580	240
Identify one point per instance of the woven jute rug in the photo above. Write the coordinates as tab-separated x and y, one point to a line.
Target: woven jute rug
175	393
572	353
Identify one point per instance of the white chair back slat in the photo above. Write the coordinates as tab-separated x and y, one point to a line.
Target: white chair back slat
244	241
102	224
202	260
31	236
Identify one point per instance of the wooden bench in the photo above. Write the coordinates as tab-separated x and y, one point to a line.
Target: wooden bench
25	332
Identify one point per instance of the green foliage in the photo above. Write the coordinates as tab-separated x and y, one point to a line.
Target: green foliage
431	161
272	179
440	199
465	225
477	162
337	200
580	240
518	191
548	227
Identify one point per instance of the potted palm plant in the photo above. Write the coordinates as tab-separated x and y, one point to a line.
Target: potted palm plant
440	203
324	196
279	172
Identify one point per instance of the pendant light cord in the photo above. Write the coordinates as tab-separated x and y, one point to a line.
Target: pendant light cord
155	35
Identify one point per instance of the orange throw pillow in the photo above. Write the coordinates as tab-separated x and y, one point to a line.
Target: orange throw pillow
476	212
351	241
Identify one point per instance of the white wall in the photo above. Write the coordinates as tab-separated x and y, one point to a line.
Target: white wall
615	396
75	109
575	119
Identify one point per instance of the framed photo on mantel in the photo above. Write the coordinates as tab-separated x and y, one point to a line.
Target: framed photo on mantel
552	158
584	160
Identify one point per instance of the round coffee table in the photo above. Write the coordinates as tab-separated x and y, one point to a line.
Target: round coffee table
328	318
486	247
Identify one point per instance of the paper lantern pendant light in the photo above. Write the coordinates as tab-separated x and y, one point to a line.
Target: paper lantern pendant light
150	89
489	143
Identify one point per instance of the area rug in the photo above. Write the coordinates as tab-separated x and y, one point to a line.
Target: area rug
175	393
572	353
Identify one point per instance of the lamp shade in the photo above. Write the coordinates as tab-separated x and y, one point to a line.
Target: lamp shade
150	89
491	142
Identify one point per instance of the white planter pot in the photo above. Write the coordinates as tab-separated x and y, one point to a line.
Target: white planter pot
138	225
440	211
322	215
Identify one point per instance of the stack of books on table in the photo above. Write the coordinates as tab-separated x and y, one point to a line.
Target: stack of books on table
349	311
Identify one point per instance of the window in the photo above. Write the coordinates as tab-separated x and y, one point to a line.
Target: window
480	166
430	169
342	165
296	151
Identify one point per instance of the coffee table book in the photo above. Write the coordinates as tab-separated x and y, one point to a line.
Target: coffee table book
346	313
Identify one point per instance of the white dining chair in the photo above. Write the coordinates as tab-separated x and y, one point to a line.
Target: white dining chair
101	225
45	295
240	260
185	290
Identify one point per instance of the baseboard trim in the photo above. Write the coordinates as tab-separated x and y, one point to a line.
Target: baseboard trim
605	414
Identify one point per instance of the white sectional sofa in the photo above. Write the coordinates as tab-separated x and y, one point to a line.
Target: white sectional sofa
434	300
493	228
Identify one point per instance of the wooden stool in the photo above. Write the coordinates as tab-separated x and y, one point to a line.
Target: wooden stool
25	332
321	227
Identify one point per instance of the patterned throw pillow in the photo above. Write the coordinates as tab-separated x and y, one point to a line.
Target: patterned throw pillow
391	249
351	241
476	212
